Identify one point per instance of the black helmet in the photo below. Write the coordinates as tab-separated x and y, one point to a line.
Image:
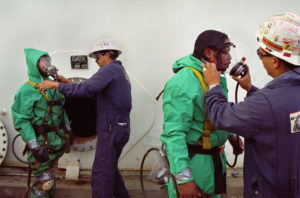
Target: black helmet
211	38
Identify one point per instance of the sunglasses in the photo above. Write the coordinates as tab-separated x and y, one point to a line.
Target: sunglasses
260	55
98	54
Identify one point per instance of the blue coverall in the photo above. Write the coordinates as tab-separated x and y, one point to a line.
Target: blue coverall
272	145
111	86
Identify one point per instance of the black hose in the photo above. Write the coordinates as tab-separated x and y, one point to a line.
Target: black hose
14	152
29	169
157	97
142	166
238	137
234	162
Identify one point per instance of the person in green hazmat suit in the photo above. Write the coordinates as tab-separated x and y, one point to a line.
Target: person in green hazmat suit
195	149
39	117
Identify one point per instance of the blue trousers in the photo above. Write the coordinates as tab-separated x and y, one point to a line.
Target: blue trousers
107	181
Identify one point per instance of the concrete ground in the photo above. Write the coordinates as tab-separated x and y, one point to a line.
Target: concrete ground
13	185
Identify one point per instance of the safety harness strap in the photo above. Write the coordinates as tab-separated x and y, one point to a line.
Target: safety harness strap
45	128
35	85
204	144
204	140
199	76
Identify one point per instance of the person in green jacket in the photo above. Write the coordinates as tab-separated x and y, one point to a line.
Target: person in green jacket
195	149
39	117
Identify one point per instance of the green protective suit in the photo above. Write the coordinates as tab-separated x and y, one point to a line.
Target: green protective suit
184	117
30	108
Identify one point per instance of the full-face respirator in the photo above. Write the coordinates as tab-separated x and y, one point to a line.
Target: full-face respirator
45	62
240	69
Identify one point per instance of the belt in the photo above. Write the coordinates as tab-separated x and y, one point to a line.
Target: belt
219	177
45	129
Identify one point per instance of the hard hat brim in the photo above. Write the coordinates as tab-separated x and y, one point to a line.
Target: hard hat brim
92	54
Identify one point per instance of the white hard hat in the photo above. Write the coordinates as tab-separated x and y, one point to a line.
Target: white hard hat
104	44
280	36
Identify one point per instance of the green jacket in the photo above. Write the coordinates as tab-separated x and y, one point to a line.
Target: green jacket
184	117
30	107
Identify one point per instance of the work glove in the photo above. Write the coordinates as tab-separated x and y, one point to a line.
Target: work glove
40	154
70	133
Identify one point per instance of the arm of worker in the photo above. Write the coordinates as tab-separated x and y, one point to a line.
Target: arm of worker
46	84
212	79
244	118
245	83
178	112
64	80
91	86
177	115
22	113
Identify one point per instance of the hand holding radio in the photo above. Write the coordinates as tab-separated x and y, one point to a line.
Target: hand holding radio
240	73
244	82
240	69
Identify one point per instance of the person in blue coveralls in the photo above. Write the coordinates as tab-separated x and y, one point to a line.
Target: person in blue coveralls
111	85
266	118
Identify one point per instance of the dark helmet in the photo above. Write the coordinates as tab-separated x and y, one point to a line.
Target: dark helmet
211	38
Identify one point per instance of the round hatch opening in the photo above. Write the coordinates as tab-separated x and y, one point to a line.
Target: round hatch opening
82	113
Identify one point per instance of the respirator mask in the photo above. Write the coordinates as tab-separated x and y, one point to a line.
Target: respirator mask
45	62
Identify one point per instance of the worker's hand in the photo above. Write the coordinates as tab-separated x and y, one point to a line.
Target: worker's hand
245	82
211	74
189	190
46	84
40	154
64	80
237	145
